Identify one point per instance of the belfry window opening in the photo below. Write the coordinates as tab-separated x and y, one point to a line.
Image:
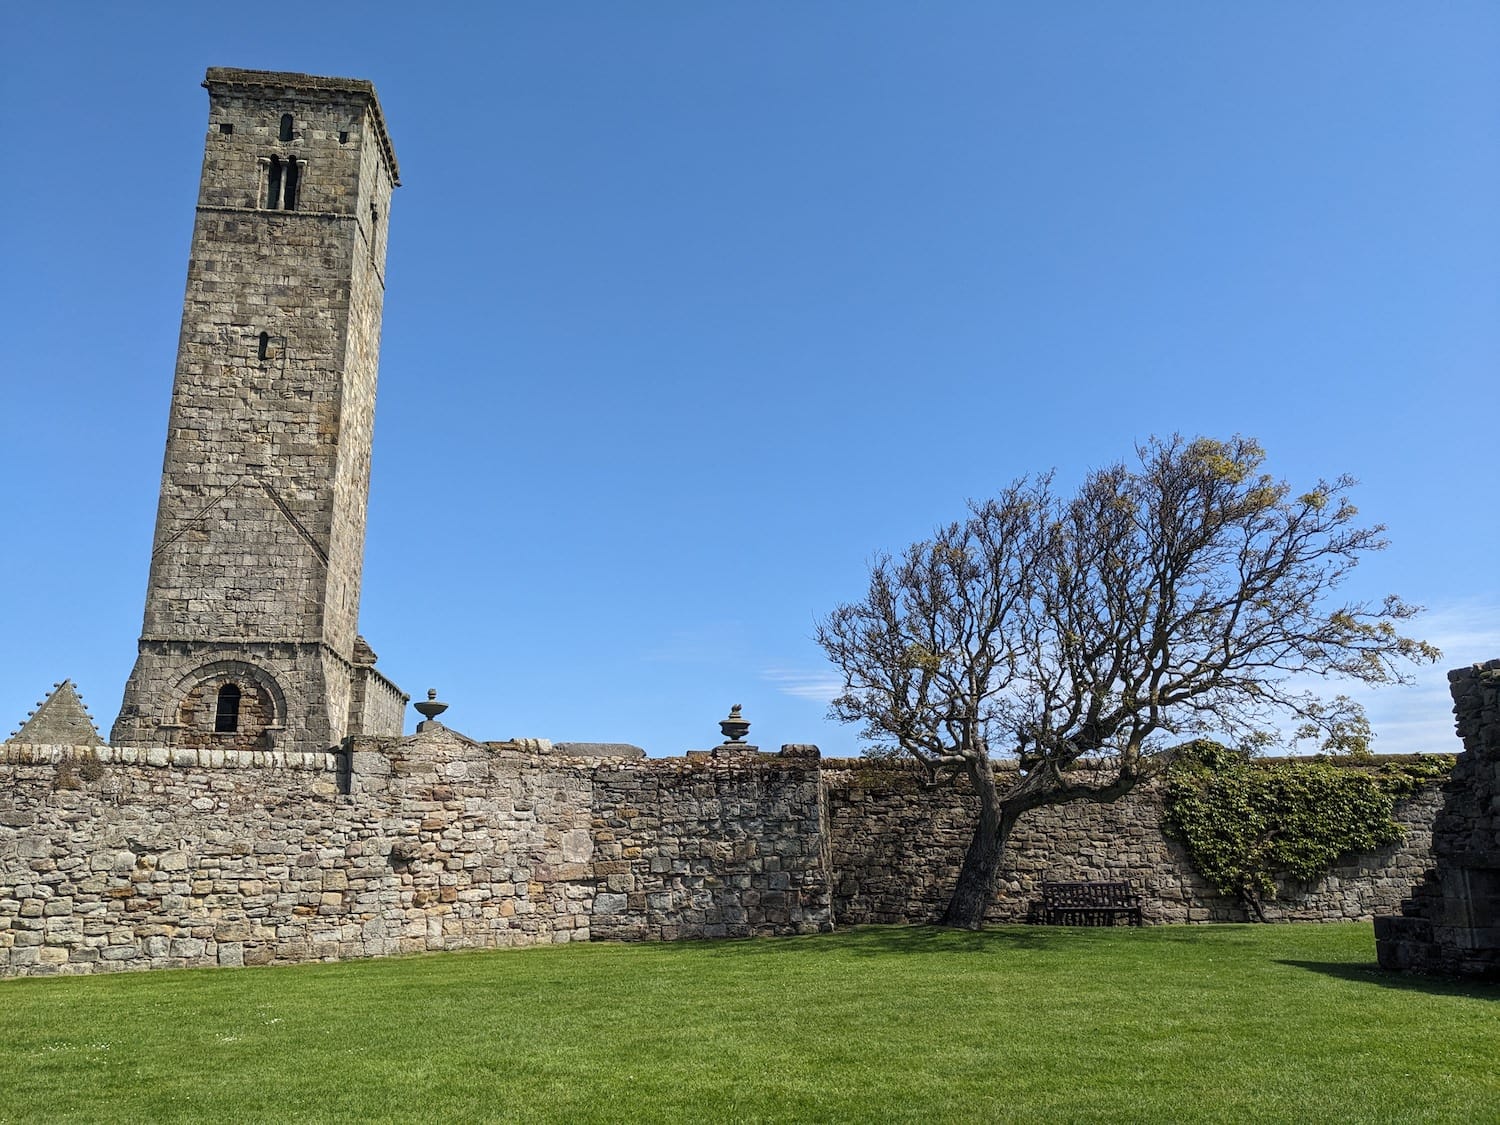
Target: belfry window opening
273	184
289	191
283	177
227	712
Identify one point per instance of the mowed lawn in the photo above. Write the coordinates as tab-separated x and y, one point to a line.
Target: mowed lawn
1222	1023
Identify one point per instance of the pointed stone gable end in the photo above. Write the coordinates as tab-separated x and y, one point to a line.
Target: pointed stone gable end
59	720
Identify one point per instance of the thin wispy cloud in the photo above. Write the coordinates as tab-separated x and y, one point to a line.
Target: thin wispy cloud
814	686
1419	718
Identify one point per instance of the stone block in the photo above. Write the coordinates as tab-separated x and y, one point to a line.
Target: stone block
606	903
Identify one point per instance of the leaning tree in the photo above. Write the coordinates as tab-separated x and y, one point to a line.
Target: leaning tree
1186	593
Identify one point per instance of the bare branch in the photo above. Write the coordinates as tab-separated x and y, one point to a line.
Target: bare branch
1179	594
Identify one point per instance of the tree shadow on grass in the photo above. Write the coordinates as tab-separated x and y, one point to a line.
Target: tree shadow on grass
880	941
1368	973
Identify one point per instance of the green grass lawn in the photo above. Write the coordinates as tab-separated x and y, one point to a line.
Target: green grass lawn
1226	1023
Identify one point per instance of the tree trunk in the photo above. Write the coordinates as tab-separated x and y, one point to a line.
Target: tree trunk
1251	902
981	870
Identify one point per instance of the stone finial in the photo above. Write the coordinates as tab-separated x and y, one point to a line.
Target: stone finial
735	727
430	709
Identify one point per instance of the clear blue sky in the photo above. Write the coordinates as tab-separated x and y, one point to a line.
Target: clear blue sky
692	307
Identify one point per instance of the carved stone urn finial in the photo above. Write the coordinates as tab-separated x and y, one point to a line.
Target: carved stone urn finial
735	727
430	708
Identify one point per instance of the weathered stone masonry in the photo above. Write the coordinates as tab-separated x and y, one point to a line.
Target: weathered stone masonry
254	584
134	858
1451	922
897	851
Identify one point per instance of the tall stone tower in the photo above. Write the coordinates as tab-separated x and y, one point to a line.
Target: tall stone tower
250	638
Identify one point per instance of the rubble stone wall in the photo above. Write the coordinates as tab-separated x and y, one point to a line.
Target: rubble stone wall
897	850
156	857
723	846
135	858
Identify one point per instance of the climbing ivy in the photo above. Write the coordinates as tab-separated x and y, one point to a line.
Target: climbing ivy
1244	821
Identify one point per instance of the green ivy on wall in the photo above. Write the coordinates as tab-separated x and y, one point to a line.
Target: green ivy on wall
1244	822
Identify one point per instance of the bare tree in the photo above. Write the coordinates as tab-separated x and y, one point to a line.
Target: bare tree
1189	593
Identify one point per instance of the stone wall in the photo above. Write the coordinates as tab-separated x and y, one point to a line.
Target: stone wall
211	857
728	845
376	705
897	849
1451	922
133	858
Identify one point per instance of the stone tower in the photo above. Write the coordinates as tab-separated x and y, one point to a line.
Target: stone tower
250	636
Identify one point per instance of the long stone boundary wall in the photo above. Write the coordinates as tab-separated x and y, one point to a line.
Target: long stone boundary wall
132	858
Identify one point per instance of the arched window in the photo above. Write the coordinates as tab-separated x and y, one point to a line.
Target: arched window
227	713
286	127
265	345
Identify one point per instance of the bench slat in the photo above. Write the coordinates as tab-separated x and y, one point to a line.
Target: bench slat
1089	904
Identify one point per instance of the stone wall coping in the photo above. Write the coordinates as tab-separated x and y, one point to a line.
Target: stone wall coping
163	757
12	753
1009	764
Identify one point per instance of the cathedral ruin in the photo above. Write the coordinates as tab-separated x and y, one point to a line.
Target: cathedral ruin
257	802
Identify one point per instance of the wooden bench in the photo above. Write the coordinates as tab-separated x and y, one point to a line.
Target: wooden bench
1089	904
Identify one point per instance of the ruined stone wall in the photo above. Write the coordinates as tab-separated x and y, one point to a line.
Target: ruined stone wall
897	850
1451	922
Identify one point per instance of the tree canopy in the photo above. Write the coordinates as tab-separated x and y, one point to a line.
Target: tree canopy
1188	592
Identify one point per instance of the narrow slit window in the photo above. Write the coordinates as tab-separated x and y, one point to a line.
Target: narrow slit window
293	177
265	345
273	184
227	713
286	127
